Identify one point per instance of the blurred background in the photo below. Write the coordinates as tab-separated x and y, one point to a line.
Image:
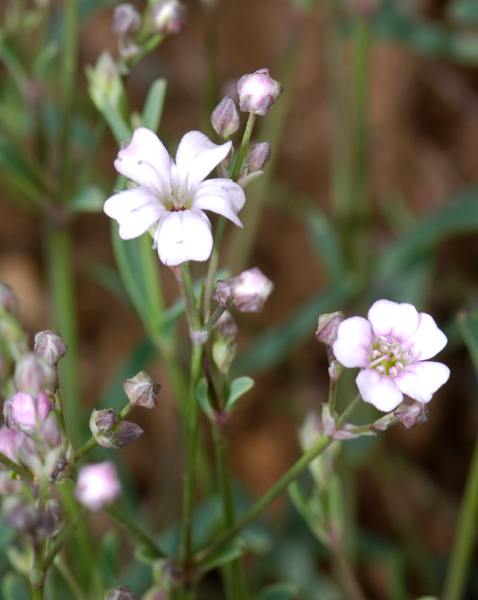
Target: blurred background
372	191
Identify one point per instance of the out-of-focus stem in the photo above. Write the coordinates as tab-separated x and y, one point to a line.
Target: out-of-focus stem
346	575
465	537
133	531
63	307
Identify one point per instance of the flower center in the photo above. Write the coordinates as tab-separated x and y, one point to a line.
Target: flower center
388	357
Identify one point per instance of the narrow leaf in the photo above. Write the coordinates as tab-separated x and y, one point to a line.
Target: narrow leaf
239	387
153	107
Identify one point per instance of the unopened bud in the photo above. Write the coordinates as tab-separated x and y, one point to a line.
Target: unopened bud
411	413
22	412
168	16
258	92
121	593
126	20
247	292
103	421
110	432
8	300
225	118
335	370
97	485
105	85
33	374
257	156
10	442
50	346
141	390
328	326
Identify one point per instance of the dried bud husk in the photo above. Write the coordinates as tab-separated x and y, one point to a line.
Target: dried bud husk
328	326
411	413
225	118
247	292
141	390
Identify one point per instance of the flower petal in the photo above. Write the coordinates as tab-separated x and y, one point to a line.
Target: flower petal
222	196
421	380
197	156
184	235
354	342
379	390
427	340
146	161
135	210
388	318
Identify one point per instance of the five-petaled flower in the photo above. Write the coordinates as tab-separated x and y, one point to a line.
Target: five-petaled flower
392	348
173	194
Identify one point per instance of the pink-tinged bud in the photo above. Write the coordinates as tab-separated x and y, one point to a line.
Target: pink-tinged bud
126	20
411	413
22	412
328	326
226	326
257	156
335	370
258	92
121	593
33	374
50	346
8	300
10	442
110	432
225	118
168	16
247	292
141	390
97	485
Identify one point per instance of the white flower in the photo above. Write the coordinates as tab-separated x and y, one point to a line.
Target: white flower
393	347
97	485
172	194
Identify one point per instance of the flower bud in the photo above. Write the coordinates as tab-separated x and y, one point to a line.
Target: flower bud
97	485
8	300
50	346
224	349
411	413
328	326
258	92
105	85
10	442
33	374
168	16
247	292
110	432
126	20
42	454
121	593
103	421
226	326
257	156
225	118
141	390
22	412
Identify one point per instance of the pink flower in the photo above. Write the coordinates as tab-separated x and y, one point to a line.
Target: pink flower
172	194
97	485
392	348
10	442
22	412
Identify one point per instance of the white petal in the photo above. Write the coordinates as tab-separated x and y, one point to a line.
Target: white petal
427	340
388	318
146	161
135	210
354	342
222	196
421	380
197	156
379	390
184	235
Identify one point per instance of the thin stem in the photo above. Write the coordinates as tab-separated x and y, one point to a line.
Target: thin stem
87	446
465	537
72	583
346	574
191	454
348	411
133	530
22	472
246	138
187	289
60	540
214	318
213	266
332	395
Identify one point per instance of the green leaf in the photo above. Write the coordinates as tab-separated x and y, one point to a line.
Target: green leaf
14	587
239	387
119	128
229	553
203	397
279	591
153	107
326	243
468	323
44	60
278	342
89	199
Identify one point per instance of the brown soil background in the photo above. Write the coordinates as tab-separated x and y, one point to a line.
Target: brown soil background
423	119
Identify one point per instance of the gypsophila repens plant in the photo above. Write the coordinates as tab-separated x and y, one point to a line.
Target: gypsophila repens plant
173	209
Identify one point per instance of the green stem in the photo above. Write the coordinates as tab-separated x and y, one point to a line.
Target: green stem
37	594
60	540
191	454
235	582
22	472
70	580
191	302
348	411
465	536
346	574
87	446
246	138
133	531
63	308
213	266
